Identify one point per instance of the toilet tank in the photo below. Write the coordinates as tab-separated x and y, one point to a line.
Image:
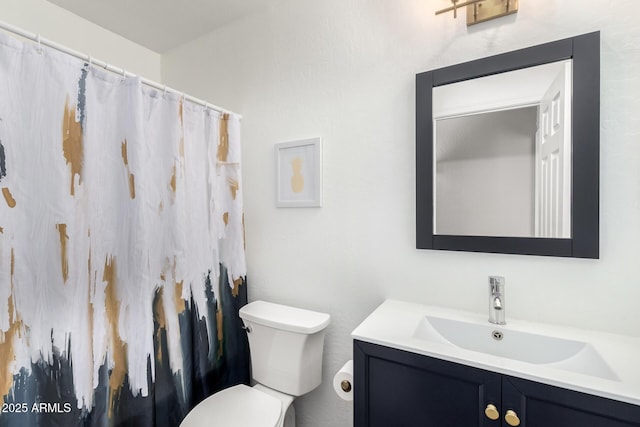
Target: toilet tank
286	346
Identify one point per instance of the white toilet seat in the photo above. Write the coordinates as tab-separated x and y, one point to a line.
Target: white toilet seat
237	406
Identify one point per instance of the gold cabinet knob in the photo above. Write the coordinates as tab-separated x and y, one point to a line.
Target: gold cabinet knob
512	418
492	412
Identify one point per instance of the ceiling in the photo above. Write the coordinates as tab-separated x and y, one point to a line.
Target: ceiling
161	25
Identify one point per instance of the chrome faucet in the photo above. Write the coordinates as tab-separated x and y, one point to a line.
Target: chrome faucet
496	300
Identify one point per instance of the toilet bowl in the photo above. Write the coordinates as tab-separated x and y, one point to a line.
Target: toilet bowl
286	345
243	406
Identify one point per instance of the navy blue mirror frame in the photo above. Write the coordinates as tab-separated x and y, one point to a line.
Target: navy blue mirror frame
585	170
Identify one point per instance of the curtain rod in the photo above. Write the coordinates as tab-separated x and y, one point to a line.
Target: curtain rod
41	41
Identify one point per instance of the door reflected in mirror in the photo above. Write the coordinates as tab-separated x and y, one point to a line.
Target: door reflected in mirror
502	154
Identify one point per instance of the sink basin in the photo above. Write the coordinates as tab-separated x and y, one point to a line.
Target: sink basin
592	362
497	340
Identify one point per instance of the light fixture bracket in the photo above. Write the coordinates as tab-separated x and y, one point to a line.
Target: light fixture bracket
482	10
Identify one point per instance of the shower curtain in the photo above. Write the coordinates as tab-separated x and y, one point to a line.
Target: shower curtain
122	264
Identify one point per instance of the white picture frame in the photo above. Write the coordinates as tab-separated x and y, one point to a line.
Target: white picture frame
299	173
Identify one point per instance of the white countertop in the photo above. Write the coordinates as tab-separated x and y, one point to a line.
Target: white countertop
394	324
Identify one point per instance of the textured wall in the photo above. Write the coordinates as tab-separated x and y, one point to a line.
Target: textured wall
345	70
61	26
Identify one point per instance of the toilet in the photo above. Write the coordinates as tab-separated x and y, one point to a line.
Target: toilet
286	345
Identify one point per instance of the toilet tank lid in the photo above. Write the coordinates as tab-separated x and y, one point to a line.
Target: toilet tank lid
284	317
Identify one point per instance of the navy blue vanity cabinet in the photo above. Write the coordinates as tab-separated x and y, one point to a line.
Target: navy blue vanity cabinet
541	405
395	388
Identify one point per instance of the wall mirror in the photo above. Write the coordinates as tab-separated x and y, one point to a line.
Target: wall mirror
507	152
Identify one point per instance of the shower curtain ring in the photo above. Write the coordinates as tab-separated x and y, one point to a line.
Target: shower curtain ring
39	41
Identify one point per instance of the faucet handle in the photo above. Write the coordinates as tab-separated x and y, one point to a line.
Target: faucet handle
496	284
496	280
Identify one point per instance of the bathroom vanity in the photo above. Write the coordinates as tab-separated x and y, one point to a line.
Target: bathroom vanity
418	365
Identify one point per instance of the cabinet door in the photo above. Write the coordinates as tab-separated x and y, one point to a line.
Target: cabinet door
541	405
401	389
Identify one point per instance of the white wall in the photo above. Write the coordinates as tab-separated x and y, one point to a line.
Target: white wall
345	70
485	174
58	25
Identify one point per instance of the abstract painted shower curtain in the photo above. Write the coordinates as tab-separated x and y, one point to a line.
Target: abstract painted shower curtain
121	247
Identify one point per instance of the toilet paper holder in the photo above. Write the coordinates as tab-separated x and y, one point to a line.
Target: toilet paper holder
343	381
